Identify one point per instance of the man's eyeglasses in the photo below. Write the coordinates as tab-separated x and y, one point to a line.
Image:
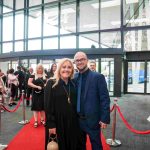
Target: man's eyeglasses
79	60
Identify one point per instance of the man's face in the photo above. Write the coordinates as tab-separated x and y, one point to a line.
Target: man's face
92	67
81	61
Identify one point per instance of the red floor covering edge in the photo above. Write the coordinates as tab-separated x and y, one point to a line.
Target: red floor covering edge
30	138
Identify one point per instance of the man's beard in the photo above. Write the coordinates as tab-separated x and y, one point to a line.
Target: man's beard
83	69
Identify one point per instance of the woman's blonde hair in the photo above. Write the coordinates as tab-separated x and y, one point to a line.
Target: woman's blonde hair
36	74
57	72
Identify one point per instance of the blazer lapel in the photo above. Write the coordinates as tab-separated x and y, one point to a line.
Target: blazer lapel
89	77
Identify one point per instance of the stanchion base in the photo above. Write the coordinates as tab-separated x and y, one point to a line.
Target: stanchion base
112	142
3	147
23	122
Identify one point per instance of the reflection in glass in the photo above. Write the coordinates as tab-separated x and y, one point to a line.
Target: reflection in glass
24	62
89	40
50	43
67	42
137	40
109	14
136	77
19	4
7	6
19	25
68	18
19	46
33	63
8	28
50	21
34	23
88	16
34	2
107	69
34	45
110	40
14	64
7	47
136	13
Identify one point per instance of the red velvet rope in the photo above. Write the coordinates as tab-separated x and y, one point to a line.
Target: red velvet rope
112	108
129	126
13	110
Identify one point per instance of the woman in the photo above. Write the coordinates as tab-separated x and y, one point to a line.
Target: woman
37	82
60	107
51	72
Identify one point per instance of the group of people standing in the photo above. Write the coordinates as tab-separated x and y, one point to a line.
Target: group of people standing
76	105
72	104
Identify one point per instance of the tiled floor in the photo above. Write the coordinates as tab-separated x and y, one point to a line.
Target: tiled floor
135	108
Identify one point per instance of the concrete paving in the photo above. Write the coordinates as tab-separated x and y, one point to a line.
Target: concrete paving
135	108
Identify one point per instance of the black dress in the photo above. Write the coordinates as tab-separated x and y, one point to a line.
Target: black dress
38	95
61	114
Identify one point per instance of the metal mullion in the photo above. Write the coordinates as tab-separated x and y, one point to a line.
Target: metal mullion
14	2
77	23
1	27
122	23
59	13
42	24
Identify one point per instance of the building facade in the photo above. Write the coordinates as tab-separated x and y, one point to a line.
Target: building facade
113	33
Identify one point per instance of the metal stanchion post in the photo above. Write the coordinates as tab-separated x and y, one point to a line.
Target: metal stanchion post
1	145
113	141
0	115
24	121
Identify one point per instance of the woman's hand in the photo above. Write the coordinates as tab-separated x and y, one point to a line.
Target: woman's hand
39	87
52	131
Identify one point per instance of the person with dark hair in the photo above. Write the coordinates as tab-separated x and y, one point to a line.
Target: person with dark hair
13	83
93	102
19	73
92	66
28	88
52	70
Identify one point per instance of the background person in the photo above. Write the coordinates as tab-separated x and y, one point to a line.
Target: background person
28	88
93	103
92	66
60	107
13	84
52	70
37	82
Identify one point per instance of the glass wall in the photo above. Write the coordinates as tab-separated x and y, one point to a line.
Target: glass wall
136	13
137	40
47	20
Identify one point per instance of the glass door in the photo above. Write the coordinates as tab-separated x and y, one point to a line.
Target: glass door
148	78
138	77
107	69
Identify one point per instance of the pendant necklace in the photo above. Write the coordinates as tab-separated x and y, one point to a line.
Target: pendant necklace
68	93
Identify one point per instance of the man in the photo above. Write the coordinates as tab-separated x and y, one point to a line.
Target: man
93	103
19	73
28	88
92	66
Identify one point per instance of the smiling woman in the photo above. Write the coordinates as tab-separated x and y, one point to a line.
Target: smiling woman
60	107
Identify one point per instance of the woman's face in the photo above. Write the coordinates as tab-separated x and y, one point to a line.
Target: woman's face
40	70
54	67
66	70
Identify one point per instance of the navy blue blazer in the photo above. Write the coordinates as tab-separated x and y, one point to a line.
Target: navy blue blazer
96	99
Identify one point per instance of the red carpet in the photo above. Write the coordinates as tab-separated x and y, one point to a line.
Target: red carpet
30	138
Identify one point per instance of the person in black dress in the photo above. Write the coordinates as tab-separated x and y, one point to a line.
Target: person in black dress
60	107
38	82
51	72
